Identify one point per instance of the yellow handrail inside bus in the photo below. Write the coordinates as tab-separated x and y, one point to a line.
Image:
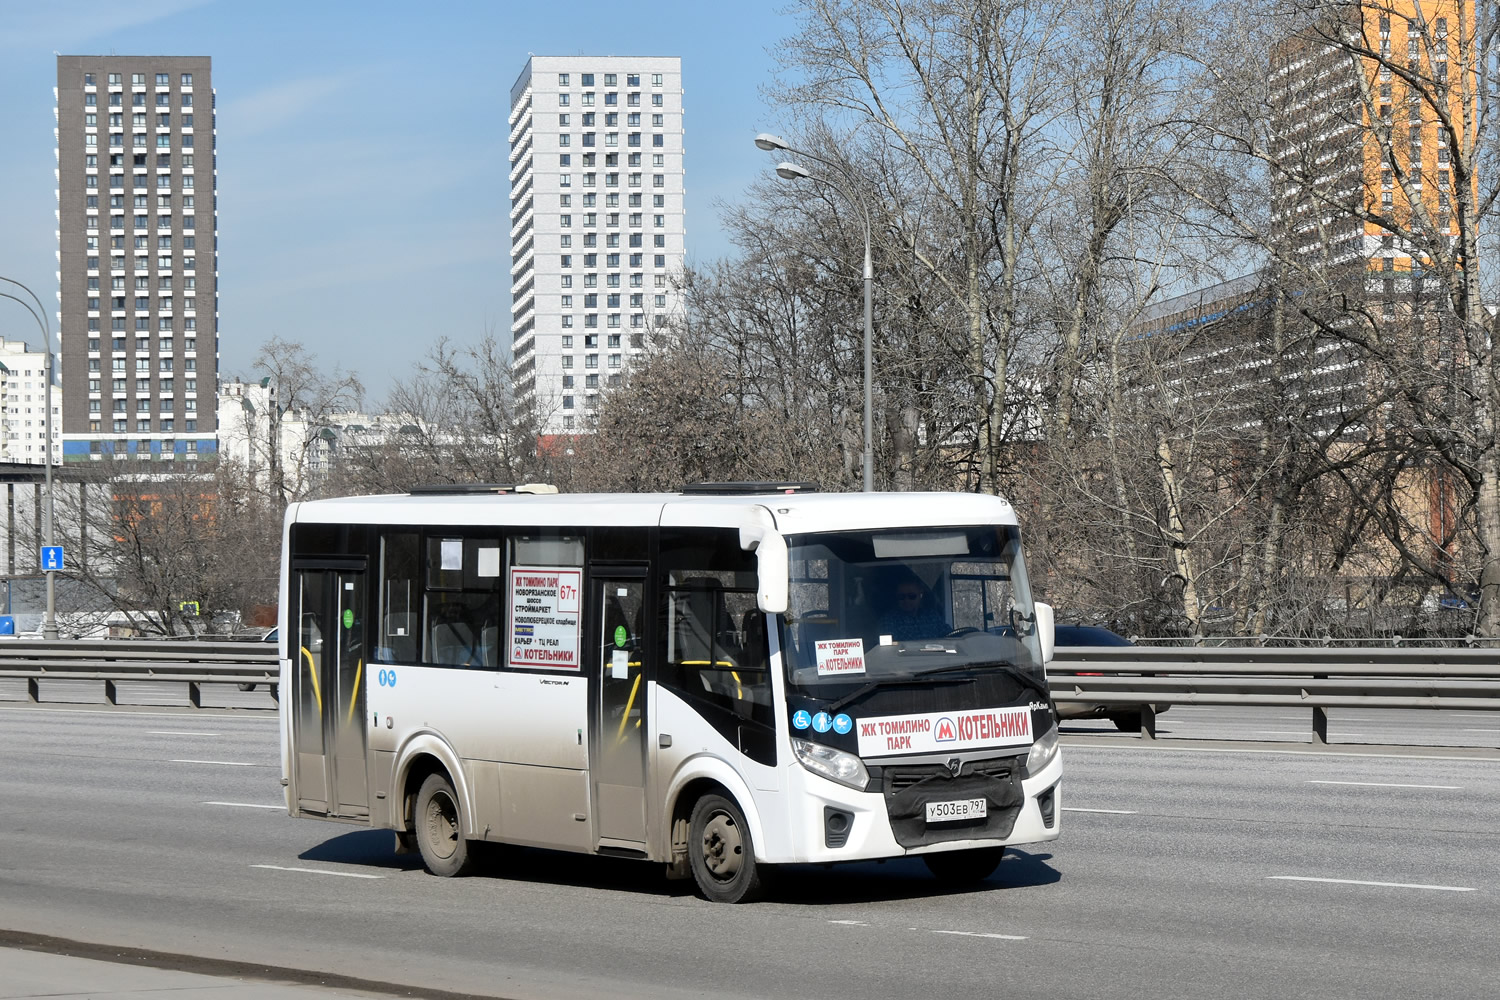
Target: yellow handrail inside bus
625	715
359	669
312	670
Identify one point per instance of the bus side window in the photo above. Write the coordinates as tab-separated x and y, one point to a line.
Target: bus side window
716	647
540	548
712	638
400	589
463	601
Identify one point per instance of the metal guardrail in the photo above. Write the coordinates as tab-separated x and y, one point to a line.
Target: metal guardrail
115	660
1147	677
1126	676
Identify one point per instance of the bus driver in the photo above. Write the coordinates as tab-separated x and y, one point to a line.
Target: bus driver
912	616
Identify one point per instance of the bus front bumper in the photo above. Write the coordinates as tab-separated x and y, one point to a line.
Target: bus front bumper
833	822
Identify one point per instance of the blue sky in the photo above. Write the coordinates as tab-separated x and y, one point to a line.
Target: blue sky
363	199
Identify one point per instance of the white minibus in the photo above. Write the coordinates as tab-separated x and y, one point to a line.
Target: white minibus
729	678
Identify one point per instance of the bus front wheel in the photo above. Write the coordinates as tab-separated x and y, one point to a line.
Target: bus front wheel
440	831
721	852
964	867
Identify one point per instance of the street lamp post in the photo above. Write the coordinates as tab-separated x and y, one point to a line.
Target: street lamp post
791	171
49	624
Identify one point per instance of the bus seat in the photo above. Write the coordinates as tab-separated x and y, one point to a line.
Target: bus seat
452	643
398	638
753	650
692	641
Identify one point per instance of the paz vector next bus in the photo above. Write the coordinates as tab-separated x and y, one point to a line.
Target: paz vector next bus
736	676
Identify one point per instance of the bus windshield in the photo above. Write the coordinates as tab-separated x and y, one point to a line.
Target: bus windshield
871	607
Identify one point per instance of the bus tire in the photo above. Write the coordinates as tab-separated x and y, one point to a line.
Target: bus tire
964	867
440	829
721	852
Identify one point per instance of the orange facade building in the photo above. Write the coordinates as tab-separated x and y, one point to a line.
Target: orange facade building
1369	105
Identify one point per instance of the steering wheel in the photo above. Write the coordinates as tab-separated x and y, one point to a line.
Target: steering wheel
966	630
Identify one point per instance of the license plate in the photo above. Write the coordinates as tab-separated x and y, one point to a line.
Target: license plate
960	809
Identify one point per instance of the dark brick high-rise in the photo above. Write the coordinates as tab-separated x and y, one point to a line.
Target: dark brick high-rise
138	258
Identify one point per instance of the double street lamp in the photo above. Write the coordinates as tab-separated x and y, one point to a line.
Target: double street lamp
38	313
791	172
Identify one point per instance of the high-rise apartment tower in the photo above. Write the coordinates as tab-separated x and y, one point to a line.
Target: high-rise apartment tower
1357	96
597	231
137	258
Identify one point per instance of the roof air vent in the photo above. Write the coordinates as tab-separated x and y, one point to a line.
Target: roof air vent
746	488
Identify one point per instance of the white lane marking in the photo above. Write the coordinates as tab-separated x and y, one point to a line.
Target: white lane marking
1482	730
1305	732
998	937
1079	746
161	732
317	871
1269	718
850	923
1383	885
197	714
1382	784
1113	812
243	805
226	763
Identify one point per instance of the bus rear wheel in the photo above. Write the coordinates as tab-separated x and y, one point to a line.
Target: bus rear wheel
440	830
721	852
964	867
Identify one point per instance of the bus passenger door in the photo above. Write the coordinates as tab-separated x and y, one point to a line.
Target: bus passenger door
327	641
620	729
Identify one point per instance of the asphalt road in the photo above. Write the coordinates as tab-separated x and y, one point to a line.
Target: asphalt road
1217	872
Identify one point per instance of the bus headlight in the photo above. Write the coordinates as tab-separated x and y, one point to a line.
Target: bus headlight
1042	751
836	765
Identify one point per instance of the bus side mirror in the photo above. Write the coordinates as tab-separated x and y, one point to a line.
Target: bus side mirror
1045	631
772	567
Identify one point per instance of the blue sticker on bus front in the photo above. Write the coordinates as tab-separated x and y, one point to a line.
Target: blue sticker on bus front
800	719
387	678
842	723
822	722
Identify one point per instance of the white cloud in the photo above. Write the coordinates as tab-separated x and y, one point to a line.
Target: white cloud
272	107
68	24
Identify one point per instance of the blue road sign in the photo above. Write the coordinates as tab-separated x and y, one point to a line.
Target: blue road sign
52	557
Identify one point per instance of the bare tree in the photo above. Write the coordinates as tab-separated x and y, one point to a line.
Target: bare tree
304	394
170	551
1394	149
456	420
964	90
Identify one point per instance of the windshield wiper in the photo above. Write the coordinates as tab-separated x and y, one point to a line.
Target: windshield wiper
865	689
1027	680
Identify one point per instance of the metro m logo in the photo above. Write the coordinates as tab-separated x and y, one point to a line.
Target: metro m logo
945	732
